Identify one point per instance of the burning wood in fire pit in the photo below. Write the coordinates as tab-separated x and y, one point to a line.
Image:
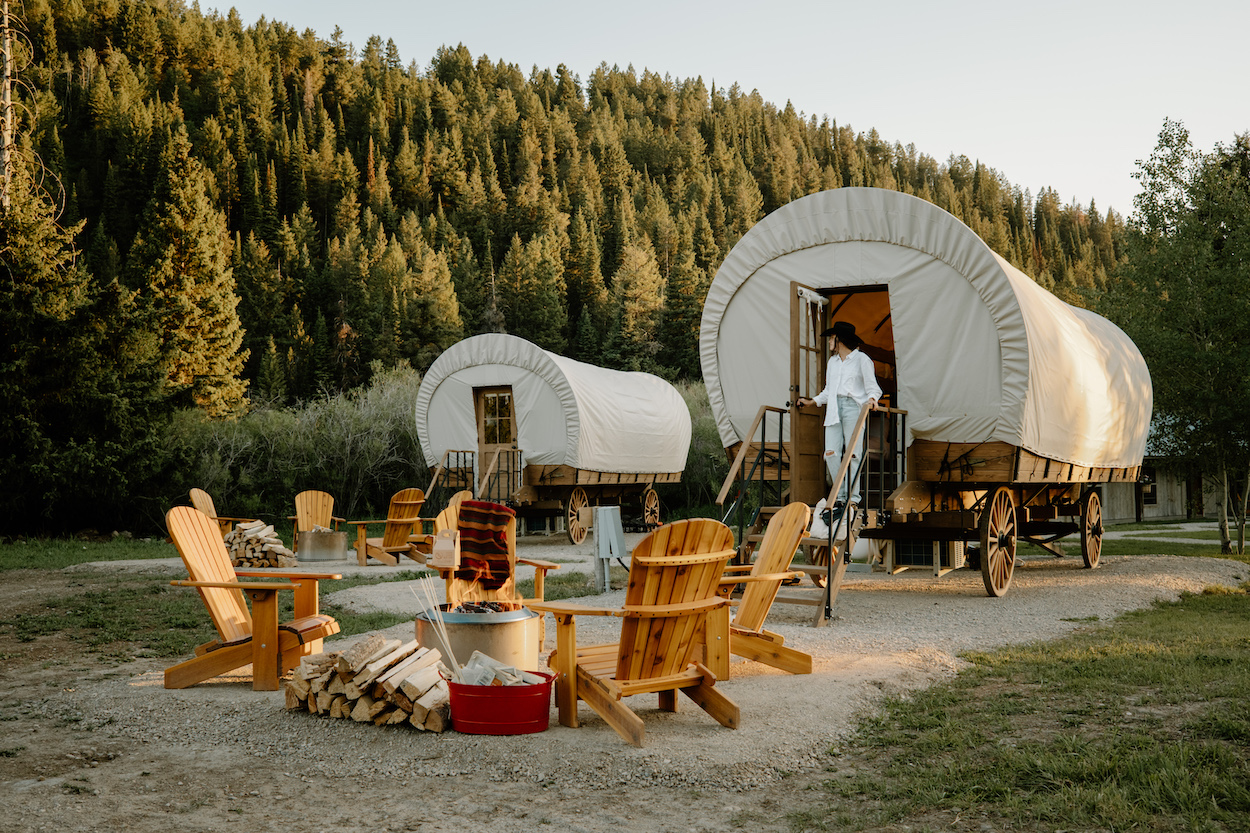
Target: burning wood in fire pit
486	607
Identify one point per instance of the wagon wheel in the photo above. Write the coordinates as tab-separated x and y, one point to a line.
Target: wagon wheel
651	507
572	512
818	556
1091	529
998	541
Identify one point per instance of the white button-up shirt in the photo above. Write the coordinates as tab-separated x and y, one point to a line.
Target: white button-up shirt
853	376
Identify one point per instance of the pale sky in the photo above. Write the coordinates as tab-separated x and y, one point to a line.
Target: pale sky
1066	94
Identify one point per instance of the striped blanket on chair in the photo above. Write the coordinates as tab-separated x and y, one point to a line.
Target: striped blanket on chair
484	556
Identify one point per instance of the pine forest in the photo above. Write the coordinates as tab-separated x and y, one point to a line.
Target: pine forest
232	213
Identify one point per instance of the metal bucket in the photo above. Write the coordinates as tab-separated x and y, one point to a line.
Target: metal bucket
322	546
510	637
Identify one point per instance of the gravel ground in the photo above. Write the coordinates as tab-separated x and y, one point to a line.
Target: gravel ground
892	634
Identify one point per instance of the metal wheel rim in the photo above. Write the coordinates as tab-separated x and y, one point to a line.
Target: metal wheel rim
1091	530
651	507
577	502
998	542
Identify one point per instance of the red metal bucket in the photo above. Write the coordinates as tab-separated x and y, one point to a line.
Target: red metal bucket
501	709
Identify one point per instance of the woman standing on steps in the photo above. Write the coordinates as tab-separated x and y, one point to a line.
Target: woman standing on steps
850	381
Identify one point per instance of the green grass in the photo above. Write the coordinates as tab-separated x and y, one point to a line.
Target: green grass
1197	534
1146	546
122	615
58	553
1157	526
1142	724
126	616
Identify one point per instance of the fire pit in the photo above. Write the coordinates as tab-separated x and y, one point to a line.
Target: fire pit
510	636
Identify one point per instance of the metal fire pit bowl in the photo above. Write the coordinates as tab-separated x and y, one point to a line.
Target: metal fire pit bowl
510	637
322	546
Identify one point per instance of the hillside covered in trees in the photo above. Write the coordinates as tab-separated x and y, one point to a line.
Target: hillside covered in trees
361	208
249	213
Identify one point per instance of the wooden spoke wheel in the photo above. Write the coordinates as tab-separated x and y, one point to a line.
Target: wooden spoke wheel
998	541
572	512
651	507
820	557
1091	529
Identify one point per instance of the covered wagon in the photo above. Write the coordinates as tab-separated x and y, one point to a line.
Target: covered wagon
1007	407
548	435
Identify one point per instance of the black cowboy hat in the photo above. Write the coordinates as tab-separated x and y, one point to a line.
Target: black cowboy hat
843	331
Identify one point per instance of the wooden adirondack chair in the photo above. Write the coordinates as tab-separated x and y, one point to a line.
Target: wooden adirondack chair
488	557
313	508
671	598
747	636
253	637
203	501
401	518
430	527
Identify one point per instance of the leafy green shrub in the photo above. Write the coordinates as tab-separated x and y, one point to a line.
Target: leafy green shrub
361	447
706	464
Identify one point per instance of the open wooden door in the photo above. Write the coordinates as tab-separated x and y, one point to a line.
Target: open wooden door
811	312
808	355
498	461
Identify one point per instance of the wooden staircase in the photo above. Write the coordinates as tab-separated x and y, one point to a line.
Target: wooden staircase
823	596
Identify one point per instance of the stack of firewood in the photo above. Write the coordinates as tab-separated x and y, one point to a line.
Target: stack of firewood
255	544
377	680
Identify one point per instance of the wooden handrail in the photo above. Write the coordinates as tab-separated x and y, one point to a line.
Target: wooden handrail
441	468
494	461
735	470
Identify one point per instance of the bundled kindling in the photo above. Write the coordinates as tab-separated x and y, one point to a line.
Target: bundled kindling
377	680
255	544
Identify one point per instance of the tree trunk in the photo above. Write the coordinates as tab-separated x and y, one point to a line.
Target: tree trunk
1241	515
1226	543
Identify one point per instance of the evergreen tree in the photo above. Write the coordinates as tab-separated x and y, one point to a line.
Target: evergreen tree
638	292
531	292
79	416
181	264
685	290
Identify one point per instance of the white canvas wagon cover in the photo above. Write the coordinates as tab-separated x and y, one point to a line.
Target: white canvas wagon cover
983	352
567	412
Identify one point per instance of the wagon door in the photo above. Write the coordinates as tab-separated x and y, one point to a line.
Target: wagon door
498	466
811	312
807	377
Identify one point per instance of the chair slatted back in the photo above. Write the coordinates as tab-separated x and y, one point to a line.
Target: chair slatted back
203	501
677	564
781	540
314	508
401	517
450	517
199	543
487	554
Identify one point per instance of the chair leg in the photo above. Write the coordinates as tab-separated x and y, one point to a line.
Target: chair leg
615	713
566	669
723	710
771	653
668	700
265	647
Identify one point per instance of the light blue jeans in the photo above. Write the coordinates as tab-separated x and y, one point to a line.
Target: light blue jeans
835	443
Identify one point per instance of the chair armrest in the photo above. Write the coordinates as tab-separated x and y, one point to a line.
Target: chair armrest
737	568
359	523
657	611
569	608
291	576
762	577
236	520
237	585
535	562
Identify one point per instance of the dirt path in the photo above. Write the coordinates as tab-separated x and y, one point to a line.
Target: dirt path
85	746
